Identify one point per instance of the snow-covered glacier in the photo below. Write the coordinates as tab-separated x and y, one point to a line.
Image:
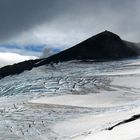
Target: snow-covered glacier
72	101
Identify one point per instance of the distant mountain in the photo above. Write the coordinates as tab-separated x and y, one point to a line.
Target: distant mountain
104	46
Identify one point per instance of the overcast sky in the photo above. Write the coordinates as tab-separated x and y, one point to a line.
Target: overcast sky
29	26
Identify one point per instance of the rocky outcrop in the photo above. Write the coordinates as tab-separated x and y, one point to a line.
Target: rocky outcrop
103	46
133	118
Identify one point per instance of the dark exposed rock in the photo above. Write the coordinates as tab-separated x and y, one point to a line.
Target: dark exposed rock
133	118
17	68
101	47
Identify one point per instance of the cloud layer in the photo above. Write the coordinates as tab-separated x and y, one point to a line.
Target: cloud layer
66	22
14	58
27	27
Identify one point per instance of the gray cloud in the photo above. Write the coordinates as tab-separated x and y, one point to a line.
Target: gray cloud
17	16
47	52
76	19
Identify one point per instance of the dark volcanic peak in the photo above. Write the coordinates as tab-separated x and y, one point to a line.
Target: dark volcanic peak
101	47
106	34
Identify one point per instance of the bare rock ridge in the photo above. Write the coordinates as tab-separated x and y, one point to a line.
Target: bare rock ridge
133	118
101	47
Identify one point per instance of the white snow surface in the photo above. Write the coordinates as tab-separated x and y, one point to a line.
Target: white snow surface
103	99
72	101
128	131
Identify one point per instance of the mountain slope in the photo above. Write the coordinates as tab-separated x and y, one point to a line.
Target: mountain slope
101	47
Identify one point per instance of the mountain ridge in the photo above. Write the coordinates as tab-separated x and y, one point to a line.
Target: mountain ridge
104	46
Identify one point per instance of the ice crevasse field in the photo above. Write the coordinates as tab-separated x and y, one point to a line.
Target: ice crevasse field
72	101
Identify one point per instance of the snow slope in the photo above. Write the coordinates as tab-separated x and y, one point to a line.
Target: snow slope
73	100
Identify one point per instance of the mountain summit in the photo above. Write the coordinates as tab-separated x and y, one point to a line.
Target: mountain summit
101	47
